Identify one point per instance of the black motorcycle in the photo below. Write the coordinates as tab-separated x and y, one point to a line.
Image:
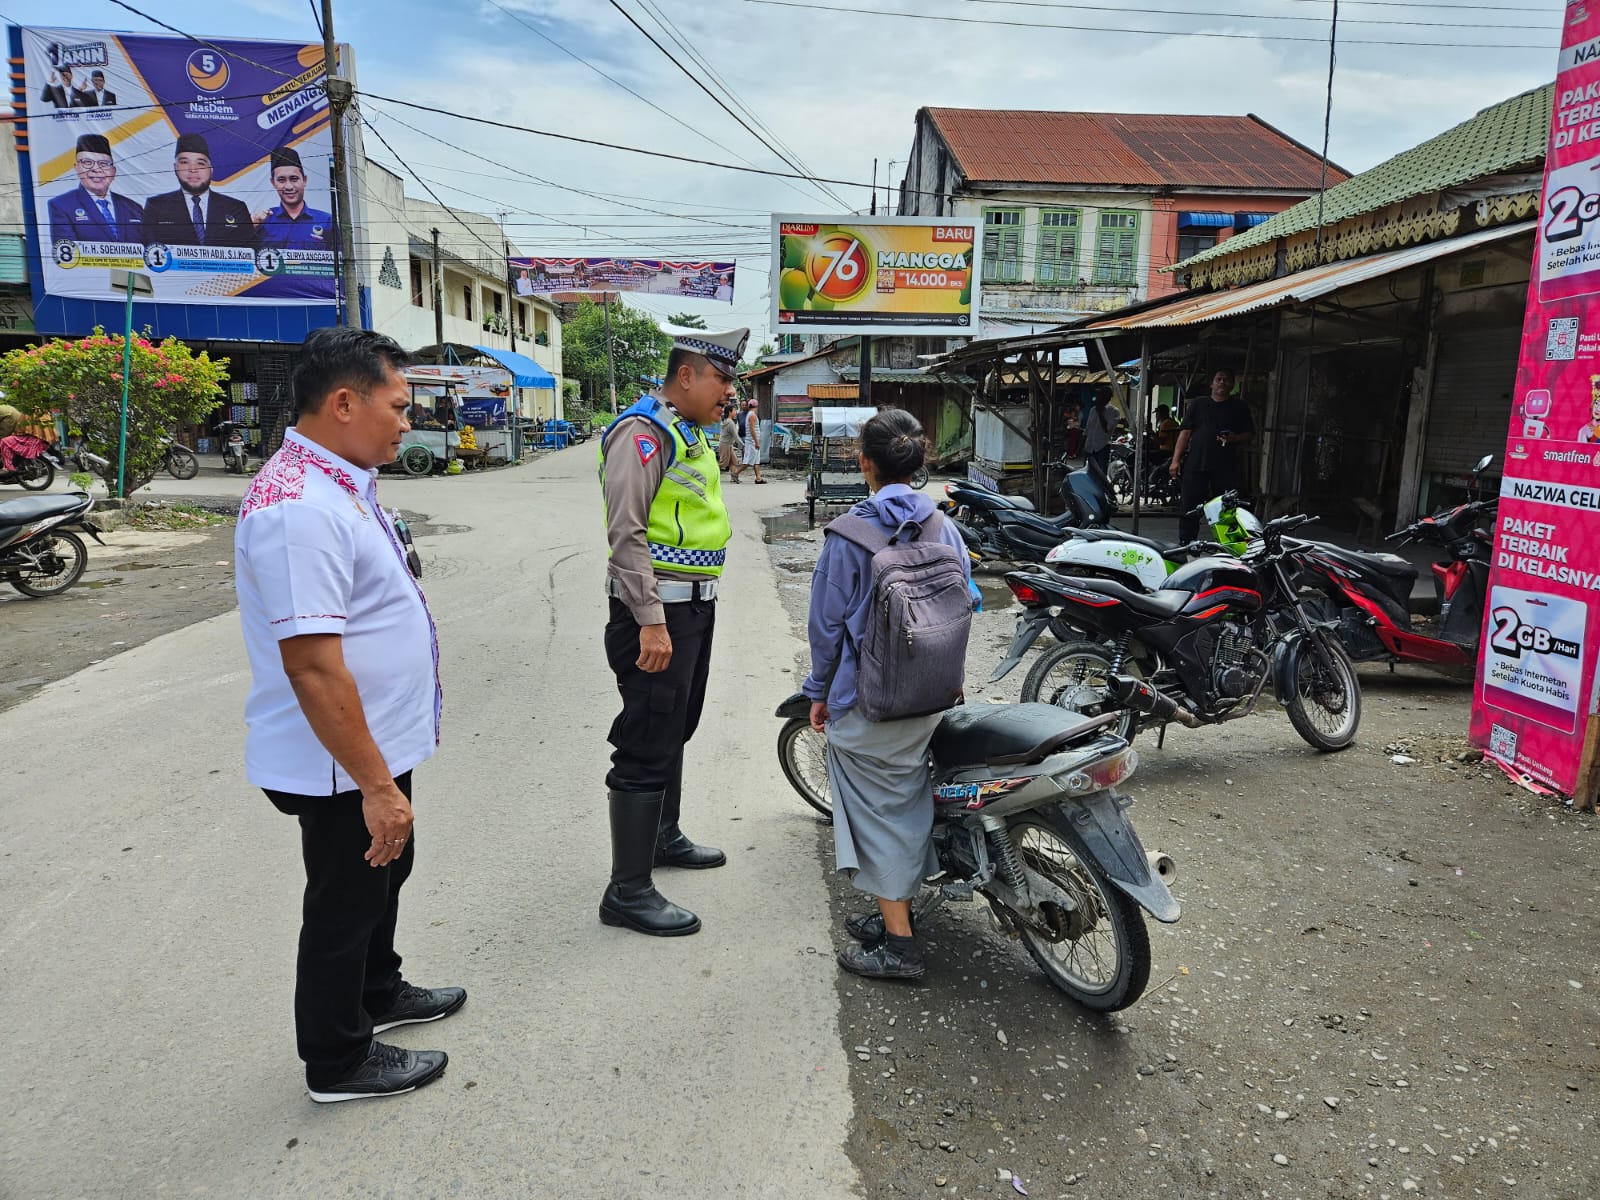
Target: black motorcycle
1198	650
36	472
234	456
39	555
996	528
1027	815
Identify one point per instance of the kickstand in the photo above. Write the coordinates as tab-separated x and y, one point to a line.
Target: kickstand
1161	736
1391	666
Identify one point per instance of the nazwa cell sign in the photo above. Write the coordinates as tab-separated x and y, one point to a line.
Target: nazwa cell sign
204	164
1535	695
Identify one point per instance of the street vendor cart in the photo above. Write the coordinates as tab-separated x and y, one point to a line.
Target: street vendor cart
834	476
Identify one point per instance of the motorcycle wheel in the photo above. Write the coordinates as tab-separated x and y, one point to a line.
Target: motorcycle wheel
36	474
66	557
1325	696
1076	676
1101	954
1121	481
181	463
803	755
919	478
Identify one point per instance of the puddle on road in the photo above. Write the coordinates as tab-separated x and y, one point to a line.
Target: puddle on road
996	595
787	526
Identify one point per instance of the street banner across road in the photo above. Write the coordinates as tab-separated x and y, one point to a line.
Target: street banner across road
902	275
643	276
1535	700
203	164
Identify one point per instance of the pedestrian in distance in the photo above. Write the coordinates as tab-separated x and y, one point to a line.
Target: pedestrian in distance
1099	425
752	441
1206	455
728	444
878	741
344	704
668	531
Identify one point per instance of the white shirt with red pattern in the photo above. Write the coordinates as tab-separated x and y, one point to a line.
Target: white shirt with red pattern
315	554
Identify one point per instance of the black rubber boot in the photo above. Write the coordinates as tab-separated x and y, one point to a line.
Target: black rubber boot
631	900
673	846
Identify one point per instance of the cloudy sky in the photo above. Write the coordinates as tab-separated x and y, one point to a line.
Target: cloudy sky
836	86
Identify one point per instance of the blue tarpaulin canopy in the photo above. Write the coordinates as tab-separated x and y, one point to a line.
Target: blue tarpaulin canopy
525	372
1204	220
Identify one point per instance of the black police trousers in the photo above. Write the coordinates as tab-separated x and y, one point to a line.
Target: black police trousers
659	712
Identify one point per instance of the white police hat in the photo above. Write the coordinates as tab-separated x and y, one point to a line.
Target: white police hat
721	350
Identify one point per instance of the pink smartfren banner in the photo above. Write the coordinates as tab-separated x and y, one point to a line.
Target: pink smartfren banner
1535	695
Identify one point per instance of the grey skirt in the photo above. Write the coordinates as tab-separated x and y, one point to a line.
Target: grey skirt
882	802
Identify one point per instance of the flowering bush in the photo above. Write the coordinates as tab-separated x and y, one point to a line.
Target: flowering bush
168	386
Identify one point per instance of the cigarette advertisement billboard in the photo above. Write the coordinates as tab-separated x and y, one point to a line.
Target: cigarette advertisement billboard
203	164
901	275
559	277
1534	707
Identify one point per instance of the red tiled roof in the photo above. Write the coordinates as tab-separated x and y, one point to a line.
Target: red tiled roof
1126	149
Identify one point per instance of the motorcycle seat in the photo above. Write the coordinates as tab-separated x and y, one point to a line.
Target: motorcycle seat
1117	535
1053	526
15	513
1391	565
1163	604
1000	735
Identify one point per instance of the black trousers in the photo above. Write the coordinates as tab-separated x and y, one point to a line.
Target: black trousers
1198	487
348	968
659	712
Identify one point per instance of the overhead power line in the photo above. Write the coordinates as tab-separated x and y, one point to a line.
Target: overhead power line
998	22
1072	6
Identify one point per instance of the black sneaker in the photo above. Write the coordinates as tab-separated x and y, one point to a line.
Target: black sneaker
868	927
387	1071
883	960
418	1006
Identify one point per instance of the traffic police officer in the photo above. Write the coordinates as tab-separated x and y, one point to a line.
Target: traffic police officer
668	531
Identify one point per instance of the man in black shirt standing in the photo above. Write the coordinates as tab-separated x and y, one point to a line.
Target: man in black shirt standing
1211	431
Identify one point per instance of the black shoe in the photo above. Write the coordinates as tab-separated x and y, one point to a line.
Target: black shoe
884	960
674	849
386	1071
647	912
418	1006
868	927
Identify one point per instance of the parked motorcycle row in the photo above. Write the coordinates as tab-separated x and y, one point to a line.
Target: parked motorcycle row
1029	810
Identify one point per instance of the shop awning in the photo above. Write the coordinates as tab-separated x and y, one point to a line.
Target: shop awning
1299	288
833	391
1204	220
1248	220
525	372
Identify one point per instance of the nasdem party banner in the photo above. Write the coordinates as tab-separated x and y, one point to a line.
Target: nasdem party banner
202	164
1535	697
577	277
904	275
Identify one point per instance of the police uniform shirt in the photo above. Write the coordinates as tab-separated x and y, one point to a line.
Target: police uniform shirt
311	230
632	478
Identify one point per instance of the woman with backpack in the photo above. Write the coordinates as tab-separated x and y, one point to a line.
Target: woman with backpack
880	713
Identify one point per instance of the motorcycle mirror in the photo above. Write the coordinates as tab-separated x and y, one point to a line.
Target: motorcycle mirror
1483	464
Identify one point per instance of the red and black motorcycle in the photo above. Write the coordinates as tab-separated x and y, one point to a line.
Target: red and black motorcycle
1199	649
1369	595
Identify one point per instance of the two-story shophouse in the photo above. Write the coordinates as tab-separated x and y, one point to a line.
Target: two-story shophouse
475	307
1081	211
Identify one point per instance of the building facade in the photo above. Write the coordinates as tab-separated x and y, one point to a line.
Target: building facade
1083	212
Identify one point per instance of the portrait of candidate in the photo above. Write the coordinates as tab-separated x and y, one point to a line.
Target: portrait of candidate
293	225
92	212
97	96
61	91
194	215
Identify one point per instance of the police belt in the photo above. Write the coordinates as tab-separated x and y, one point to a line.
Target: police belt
672	592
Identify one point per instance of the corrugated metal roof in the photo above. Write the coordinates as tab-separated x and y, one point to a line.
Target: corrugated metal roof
1125	149
1510	134
1297	288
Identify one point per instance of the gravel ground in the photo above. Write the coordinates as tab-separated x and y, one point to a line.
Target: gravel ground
1383	983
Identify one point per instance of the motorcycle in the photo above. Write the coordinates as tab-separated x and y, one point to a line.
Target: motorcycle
39	555
33	462
1367	597
997	528
234	455
180	461
1028	815
1201	647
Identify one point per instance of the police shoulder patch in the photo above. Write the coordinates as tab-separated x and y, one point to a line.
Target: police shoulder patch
648	446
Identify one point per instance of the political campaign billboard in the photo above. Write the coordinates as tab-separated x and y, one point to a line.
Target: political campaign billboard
578	277
201	163
901	275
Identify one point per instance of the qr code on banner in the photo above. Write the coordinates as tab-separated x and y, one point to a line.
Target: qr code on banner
1502	743
1561	339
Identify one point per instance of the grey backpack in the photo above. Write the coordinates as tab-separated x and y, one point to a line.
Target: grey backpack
912	658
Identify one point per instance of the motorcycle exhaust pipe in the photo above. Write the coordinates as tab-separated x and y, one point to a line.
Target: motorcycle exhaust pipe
1164	866
1141	697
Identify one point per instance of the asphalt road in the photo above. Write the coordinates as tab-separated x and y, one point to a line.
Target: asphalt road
149	906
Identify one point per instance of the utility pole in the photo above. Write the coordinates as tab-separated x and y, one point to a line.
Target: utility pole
340	93
511	297
874	187
611	357
438	298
